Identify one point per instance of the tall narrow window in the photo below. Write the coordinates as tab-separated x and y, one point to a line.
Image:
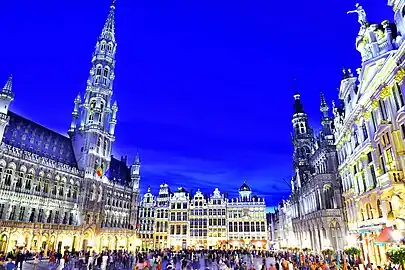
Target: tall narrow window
49	218
105	148
98	144
383	109
400	95
20	179
373	120
356	139
40	215
7	181
21	214
365	133
379	211
12	212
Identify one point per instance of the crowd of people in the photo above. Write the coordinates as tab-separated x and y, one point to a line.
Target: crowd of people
184	260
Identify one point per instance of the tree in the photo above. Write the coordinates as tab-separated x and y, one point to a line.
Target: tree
397	255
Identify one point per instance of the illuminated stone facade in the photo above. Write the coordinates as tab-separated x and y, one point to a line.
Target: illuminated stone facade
370	132
62	192
202	221
146	220
285	237
315	202
162	217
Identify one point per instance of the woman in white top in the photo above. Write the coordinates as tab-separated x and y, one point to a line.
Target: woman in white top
36	261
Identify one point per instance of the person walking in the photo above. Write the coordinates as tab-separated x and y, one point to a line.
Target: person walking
36	261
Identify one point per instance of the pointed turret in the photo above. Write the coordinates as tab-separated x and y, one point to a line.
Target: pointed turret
324	107
326	121
135	173
7	90
6	96
75	114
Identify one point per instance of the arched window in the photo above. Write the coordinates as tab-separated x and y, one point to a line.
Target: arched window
98	70
9	173
365	133
102	46
106	70
91	113
302	128
75	190
98	144
379	211
109	47
369	211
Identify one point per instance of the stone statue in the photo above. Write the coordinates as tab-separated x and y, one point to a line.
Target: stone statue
361	13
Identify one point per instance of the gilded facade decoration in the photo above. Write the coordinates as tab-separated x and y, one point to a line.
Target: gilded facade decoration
370	164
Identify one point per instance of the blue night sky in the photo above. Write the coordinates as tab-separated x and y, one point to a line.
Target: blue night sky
204	88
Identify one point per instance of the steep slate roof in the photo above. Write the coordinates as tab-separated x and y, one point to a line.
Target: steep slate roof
32	137
119	172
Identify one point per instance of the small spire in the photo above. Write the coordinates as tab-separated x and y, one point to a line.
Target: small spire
149	189
323	102
8	88
78	99
109	26
137	159
115	105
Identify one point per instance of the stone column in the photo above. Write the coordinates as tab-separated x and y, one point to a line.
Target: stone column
320	199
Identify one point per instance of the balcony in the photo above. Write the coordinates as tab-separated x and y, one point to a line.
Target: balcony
390	178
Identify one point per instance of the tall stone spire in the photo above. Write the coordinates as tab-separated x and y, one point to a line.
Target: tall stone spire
108	32
95	116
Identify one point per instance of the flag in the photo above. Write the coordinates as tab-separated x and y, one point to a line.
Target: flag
99	171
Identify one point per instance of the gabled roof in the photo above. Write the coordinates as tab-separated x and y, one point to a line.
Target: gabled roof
35	138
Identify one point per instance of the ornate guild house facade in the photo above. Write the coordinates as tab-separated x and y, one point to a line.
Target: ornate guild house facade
60	192
370	132
202	221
